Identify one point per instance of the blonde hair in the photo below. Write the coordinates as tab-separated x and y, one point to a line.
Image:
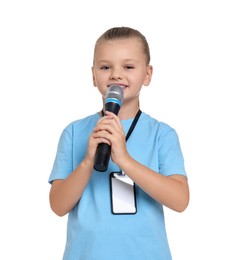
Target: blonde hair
125	33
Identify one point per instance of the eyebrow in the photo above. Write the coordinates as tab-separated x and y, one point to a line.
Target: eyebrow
108	61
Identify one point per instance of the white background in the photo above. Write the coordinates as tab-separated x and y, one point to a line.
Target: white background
46	50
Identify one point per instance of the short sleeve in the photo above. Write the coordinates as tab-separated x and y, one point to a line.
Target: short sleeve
171	159
63	164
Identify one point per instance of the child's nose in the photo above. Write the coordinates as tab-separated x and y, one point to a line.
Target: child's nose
116	74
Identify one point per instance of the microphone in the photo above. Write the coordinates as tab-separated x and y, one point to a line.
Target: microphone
113	102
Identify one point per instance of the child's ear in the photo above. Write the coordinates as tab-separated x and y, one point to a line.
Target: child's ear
93	78
148	75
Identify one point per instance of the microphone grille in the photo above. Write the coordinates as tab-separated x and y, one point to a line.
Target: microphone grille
115	91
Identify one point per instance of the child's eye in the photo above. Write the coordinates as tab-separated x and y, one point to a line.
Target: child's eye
129	67
105	67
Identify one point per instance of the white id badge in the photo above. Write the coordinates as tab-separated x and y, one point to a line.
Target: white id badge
123	199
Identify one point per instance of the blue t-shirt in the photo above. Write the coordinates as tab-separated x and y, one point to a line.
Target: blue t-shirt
93	232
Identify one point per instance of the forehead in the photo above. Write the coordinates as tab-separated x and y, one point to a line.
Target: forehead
128	48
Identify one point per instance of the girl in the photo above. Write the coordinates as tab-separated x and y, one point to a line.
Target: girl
151	158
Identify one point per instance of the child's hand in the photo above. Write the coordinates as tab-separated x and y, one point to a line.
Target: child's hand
109	130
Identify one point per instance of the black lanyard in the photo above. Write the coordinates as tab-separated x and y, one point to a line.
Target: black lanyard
132	125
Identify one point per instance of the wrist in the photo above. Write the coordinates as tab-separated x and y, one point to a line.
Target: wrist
87	163
124	161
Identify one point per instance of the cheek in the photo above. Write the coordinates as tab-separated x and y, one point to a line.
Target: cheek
100	76
141	77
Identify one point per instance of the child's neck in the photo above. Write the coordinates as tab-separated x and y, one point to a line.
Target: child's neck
127	112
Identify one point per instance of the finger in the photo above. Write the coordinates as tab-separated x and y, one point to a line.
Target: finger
109	125
102	137
113	120
105	118
108	129
115	117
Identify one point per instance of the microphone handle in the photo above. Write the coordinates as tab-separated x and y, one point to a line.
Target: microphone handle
102	157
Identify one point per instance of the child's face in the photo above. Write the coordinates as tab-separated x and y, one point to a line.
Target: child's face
121	62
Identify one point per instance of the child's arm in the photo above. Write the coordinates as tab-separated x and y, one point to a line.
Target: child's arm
64	194
171	191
